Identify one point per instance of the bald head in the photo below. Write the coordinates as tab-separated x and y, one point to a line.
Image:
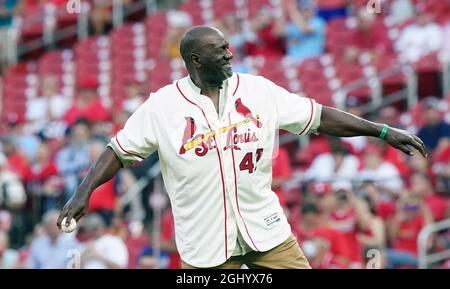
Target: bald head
207	55
196	39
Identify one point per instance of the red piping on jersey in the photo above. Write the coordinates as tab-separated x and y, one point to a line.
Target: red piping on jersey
237	85
236	192
128	152
310	118
220	166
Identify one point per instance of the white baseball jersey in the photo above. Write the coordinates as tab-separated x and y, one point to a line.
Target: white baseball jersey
218	169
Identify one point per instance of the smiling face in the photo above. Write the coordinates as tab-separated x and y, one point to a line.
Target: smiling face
205	50
215	59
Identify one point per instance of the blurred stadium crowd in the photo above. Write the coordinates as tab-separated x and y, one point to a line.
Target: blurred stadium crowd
61	103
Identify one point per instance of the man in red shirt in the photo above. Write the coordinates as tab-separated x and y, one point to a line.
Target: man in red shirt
438	205
88	105
314	227
269	41
411	216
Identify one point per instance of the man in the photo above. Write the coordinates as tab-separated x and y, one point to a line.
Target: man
305	32
214	131
435	131
420	38
54	249
73	158
102	250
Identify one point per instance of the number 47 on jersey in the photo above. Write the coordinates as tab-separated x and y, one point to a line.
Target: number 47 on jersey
247	161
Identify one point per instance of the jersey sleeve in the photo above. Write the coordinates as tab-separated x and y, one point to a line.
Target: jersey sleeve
295	113
137	140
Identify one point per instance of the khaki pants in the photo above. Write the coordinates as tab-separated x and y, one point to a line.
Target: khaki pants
287	255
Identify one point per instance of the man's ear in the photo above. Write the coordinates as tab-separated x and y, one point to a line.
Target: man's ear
195	59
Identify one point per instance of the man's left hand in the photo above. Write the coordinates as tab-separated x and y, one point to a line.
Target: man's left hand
402	140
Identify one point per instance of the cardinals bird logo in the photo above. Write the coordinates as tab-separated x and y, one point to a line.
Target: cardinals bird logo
189	131
245	112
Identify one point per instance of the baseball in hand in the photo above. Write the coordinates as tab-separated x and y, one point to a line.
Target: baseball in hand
70	228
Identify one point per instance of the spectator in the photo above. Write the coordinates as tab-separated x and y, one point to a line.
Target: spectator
381	202
73	158
321	194
178	22
281	172
438	205
265	37
368	37
333	166
17	160
101	16
399	160
350	220
401	11
12	193
318	252
315	226
135	96
13	201
8	257
51	251
119	119
435	129
136	240
103	200
45	112
102	250
43	181
88	105
419	39
23	140
373	229
411	216
389	115
305	33
376	169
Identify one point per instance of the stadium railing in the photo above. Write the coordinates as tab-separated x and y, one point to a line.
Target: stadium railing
379	99
51	34
427	258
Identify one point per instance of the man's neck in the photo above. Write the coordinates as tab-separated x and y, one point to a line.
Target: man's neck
206	88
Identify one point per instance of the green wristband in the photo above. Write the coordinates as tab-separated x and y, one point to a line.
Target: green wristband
384	131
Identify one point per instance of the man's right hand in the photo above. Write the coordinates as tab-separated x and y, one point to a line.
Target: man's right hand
75	208
106	166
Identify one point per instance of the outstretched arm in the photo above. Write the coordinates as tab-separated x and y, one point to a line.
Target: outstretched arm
106	167
340	123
